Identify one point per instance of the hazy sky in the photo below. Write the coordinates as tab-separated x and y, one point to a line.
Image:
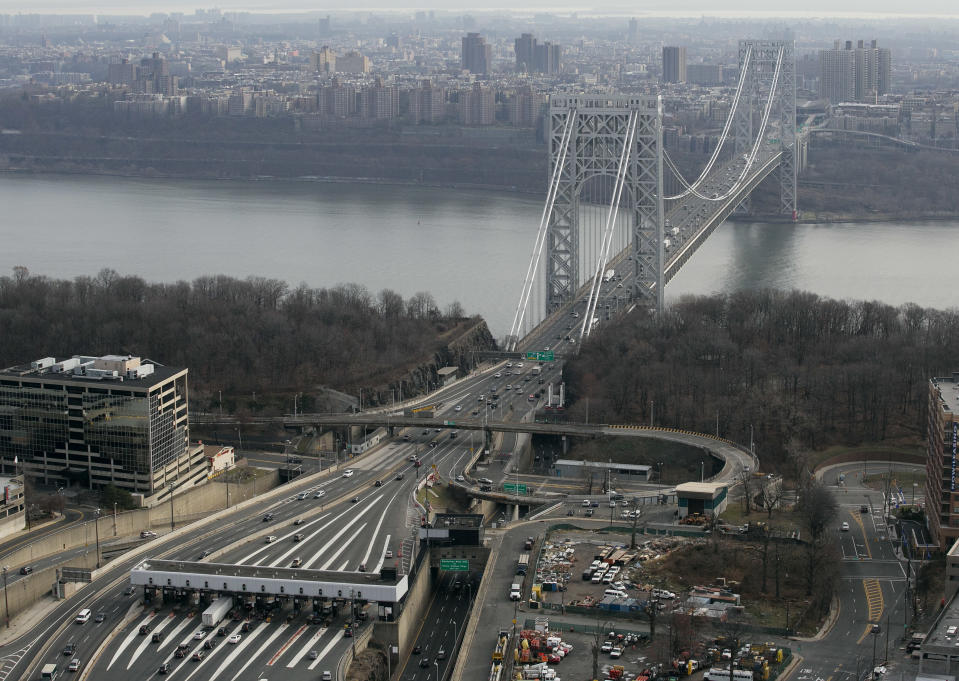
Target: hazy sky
809	8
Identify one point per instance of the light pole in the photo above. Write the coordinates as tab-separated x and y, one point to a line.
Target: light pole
660	464
6	602
114	518
651	413
170	486
702	471
96	526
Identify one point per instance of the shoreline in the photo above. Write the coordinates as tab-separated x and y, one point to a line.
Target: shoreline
332	179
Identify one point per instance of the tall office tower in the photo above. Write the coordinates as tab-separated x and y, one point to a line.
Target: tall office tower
477	56
524	46
121	72
854	74
633	35
942	439
674	64
96	421
153	76
323	60
546	58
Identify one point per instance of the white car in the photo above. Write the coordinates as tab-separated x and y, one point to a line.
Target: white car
519	365
319	494
458	407
844	527
234	639
497	375
199	636
270	539
348	473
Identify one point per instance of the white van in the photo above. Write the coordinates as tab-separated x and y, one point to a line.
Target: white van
514	592
83	616
618	593
715	674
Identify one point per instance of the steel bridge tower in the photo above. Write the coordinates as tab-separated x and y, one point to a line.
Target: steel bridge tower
757	80
587	136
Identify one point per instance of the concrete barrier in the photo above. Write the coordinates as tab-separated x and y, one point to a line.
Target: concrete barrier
195	504
26	591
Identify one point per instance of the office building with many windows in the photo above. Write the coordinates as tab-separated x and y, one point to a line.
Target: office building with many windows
94	421
942	460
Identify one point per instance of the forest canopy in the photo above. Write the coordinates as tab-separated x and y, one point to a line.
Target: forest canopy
254	334
801	370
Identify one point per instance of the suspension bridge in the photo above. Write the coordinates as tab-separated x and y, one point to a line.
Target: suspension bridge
608	231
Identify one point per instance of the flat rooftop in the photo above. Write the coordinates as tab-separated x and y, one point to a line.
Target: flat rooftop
949	390
699	488
604	465
945	633
251	571
31	373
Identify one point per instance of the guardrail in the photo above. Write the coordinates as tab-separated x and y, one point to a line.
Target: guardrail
360	643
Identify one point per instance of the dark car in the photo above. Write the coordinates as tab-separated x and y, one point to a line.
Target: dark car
129	591
209	644
348	633
26	570
268	517
157	636
70	649
424	662
864	509
221	631
417	650
354	500
378	483
198	656
164	668
144	629
100	617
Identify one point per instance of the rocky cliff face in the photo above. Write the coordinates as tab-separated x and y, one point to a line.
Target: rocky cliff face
459	352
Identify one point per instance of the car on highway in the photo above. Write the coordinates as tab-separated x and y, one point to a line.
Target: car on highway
74	665
164	668
313	654
481	398
458	407
378	483
157	637
844	527
199	636
70	649
327	675
198	656
440	654
497	375
354	500
864	509
485	481
100	617
348	473
399	476
270	539
301	496
389	553
268	517
26	570
234	639
417	650
147	534
206	553
424	662
129	591
460	478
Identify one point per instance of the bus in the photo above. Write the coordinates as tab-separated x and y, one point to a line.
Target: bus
522	565
49	672
715	674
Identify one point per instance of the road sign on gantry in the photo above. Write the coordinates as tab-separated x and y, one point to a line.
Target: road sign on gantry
543	356
454	564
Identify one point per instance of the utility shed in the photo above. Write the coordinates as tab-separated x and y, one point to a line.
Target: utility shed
705	498
447	375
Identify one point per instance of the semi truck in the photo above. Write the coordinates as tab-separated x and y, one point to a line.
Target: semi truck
610	275
217	611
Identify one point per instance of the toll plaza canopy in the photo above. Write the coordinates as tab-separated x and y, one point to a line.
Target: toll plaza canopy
383	587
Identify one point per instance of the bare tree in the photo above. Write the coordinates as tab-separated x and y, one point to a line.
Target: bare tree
817	509
747	479
770	495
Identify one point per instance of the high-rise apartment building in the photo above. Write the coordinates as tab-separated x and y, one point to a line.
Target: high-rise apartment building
942	461
379	101
121	72
477	56
427	103
533	57
477	106
353	62
323	60
153	77
524	46
854	74
525	107
674	64
94	421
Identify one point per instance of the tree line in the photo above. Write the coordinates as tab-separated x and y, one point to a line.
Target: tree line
235	335
793	370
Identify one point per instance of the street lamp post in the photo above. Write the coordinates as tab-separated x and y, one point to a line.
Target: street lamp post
6	602
170	486
114	518
702	471
96	526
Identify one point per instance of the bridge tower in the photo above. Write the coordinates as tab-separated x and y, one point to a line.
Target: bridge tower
757	79
587	135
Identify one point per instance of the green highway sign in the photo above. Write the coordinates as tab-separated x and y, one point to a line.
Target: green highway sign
454	564
449	423
544	356
515	489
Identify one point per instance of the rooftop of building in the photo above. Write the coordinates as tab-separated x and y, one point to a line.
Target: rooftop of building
949	392
92	369
699	488
945	632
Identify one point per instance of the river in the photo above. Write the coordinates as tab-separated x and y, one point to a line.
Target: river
471	246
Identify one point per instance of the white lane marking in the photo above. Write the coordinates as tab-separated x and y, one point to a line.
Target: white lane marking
379	524
210	653
297	528
323	549
379	565
169	639
134	632
306	648
147	640
238	650
325	652
266	643
343	567
347	544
